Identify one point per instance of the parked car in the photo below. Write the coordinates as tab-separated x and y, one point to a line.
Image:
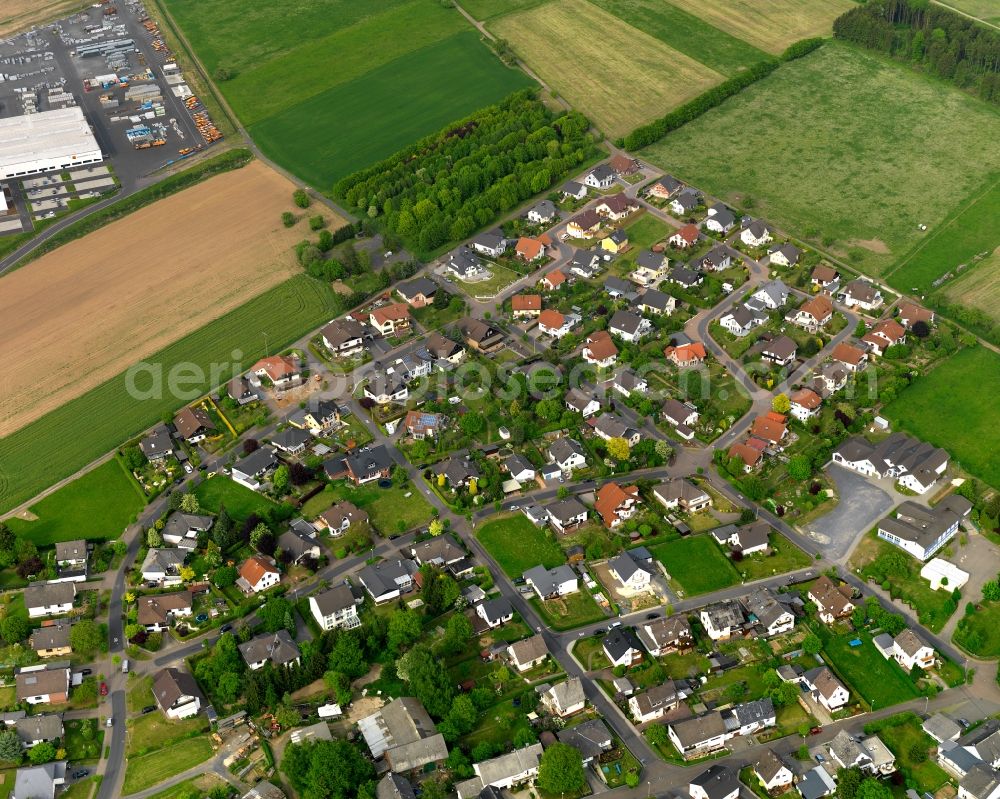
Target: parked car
148	709
104	689
651	616
110	722
815	730
79	774
86	672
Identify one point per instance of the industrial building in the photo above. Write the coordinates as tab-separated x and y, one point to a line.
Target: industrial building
46	141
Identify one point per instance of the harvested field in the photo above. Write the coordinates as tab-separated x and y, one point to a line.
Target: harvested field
771	26
558	41
19	15
979	287
90	309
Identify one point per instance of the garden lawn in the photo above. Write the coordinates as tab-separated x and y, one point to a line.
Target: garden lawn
149	770
517	545
590	653
784	557
152	731
872	154
876	681
567	612
100	504
100	420
499	279
903	740
696	563
201	785
81	789
954	406
239	500
84	740
389	510
390	107
139	693
979	633
646	231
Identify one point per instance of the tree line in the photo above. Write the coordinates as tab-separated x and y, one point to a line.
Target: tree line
933	38
448	185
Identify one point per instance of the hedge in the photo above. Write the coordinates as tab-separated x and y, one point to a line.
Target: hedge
652	132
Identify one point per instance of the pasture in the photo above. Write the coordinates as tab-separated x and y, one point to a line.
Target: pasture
954	406
90	309
100	504
970	232
696	563
620	78
687	33
389	108
979	287
870	156
771	26
71	436
517	545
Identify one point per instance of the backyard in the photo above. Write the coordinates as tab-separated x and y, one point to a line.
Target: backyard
567	612
391	510
905	739
517	545
696	564
84	740
148	770
783	557
239	500
979	632
152	731
877	682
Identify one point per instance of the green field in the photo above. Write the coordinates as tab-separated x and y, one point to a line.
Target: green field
389	509
955	407
986	10
696	563
153	731
390	107
100	504
517	545
67	439
84	740
567	612
905	739
686	33
149	770
489	9
240	501
876	681
870	155
784	557
979	633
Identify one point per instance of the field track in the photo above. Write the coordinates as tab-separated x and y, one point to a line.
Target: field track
86	311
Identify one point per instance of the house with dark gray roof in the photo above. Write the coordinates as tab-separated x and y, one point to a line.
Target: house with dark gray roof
548	583
251	469
591	739
277	648
157	444
403	733
388	579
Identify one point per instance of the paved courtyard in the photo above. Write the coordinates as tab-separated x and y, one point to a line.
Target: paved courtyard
861	505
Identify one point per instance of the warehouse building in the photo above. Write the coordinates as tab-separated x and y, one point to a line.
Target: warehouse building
46	141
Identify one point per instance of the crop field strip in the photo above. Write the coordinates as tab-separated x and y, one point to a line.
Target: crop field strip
979	286
619	78
71	436
857	168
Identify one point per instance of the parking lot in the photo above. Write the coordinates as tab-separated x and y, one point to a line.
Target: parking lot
861	505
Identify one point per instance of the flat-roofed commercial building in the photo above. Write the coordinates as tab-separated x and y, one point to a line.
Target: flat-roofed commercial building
46	141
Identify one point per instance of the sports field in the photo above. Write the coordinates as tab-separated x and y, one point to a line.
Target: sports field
88	310
365	120
871	155
71	436
955	407
329	86
979	287
773	25
100	504
970	231
616	75
689	34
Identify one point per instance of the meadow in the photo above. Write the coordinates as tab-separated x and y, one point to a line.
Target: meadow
517	545
856	168
620	78
686	33
99	505
67	439
148	770
954	406
389	108
979	286
971	231
696	563
986	10
238	500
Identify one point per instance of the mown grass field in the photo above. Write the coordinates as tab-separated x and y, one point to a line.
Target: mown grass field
66	440
773	25
876	681
696	563
239	501
617	75
687	33
517	545
906	739
871	155
487	9
979	287
100	504
149	770
390	107
971	231
389	509
955	406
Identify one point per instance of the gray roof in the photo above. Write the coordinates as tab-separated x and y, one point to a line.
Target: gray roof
340	597
171	684
602	172
757	711
620	641
918	523
291	438
38	782
39	728
341	331
529	649
980	781
496	609
458	469
565	510
663	695
369	461
694	731
942	728
590	738
403	731
167	561
722	215
577	399
267	790
157	442
846	750
257	462
515	464
665	631
54	636
563	447
625	321
624	565
277	647
683	276
71	550
546	581
500	769
768	765
438	550
571	187
814	786
491	240
717	781
781	347
545	209
296	543
724	614
688	199
417	286
38	595
763	604
615	285
387	575
653	298
649	259
614	426
790	251
394	786
568	693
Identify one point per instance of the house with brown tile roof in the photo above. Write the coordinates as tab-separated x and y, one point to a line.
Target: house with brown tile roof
193	424
615	504
257	573
833	599
391	319
805	403
886	333
911	313
814	313
600	349
853	358
553	280
686	354
685	237
771	427
157	611
526	305
751	457
282	370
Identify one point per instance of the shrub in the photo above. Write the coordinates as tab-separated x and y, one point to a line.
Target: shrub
317	222
301	199
288	219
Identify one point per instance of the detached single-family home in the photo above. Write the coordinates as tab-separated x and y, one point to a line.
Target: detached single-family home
665	635
910	651
542	213
830	378
686	201
627	382
715	260
610	425
679	492
942	728
193	424
600	350
773	617
443	350
567	454
564	698
552	323
910	313
420	425
257	574
495	612
240	390
814	313
459	472
571	190
615	242
833	599
157	444
720	219
722	620
182	529
664	188
34	730
71	555
297	546
784	254
650	266
585	224
716	782
600	177
344	337
49	599
418	292
549	583
581	402
491	244
495	776
335	607
281	370
465	264
826	689
291	440
748	452
519	468
981	782
825	277
772	295
527	653
388	579
770	427
51	641
251	469
42	684
616	206
805	403
781	351
526	306
654	703
481	336
591	739
39	782
391	319
748	538
686	355
278	649
750	717
567	514
628	326
633	575
656	303
852	358
338	518
163	567
686	236
699	735
741	320
772	772
368	464
861	294
622	647
585	263
883	335
756	234
157	611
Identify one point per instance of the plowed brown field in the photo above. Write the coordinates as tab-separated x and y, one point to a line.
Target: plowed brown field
89	310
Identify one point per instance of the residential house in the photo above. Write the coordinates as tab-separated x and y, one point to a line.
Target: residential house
591	739
686	278
861	294
748	718
51	641
549	583
623	165
526	306
816	784
501	773
249	470
610	425
157	445
491	244
564	698
770	427
344	337
419	292
298	547
268	790
665	635
552	323
628	327
656	303
825	277
722	620
772	772
622	647
716	782
464	264
941	728
49	599
156	612
71	555
664	188
773	617
883	335
616	206
750	452
686	355
983	742
627	382
805	404
585	224
917	465
783	254
756	234
43	684
748	538
423	424
650	266
368	464
685	237
319	416
573	191
403	733
257	573
182	529
699	735
291	440
391	319
441	551
444	349
193	424
528	653
34	730
542	213
981	782
826	689
813	314
617	288
388	579
585	263
781	351
519	468
567	514
654	703
720	219
163	567
567	454
715	260
278	649
459	472
633	575
686	201
852	358
909	314
741	320
495	612
338	518
830	378
581	402
772	295
833	599
615	242
600	350
922	531
679	492
912	652
600	177
335	607
481	336
39	782
281	370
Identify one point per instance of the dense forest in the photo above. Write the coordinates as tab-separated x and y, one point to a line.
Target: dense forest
446	186
942	42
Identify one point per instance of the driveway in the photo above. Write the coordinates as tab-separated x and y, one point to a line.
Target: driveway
861	505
